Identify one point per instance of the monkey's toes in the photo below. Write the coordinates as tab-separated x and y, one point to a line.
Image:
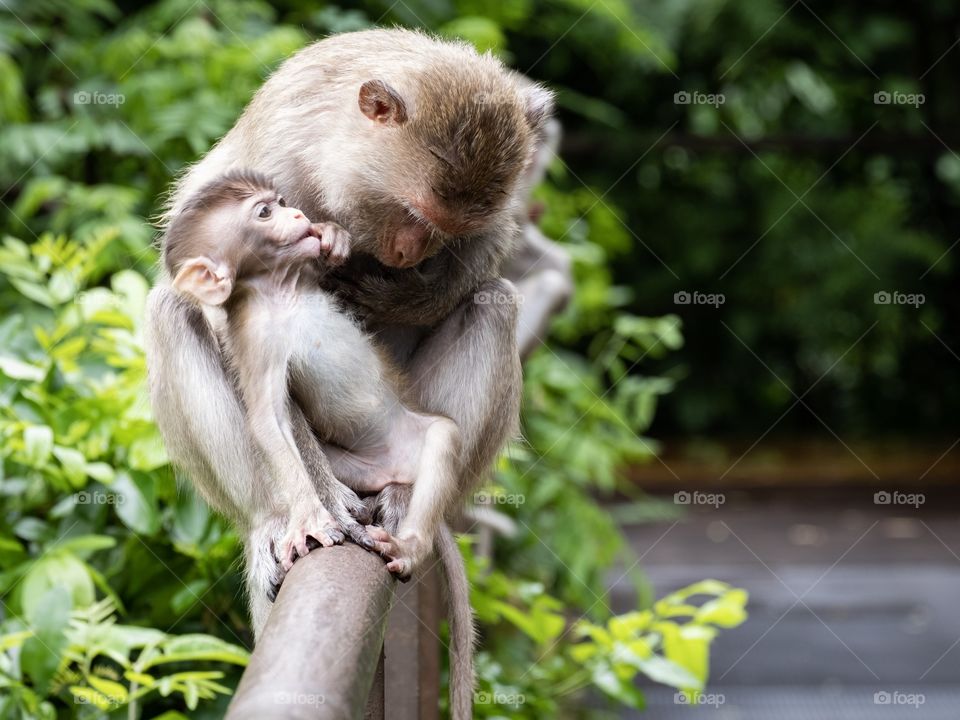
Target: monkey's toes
335	535
360	536
378	533
401	568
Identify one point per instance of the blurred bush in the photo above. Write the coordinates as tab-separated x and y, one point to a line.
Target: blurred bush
821	171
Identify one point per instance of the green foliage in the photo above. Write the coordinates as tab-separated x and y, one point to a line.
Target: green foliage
100	108
86	656
878	183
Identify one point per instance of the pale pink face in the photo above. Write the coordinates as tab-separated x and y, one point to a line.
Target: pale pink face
451	171
286	226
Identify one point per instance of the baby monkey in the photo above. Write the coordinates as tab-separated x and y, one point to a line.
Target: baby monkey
237	246
304	370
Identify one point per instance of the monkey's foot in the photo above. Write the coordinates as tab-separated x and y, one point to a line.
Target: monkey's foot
358	533
307	531
334	242
403	553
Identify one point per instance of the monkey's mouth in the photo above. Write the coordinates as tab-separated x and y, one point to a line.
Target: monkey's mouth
309	244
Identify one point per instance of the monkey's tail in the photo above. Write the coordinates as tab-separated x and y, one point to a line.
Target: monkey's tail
461	625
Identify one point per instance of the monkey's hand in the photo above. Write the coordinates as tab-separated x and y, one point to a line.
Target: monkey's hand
404	554
335	242
352	514
309	526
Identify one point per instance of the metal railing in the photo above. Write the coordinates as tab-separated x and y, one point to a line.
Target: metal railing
345	641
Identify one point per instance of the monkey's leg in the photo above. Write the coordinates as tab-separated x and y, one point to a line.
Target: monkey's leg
468	369
309	523
434	490
196	407
348	510
263	573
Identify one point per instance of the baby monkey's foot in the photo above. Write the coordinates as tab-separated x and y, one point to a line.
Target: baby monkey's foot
334	242
404	553
307	529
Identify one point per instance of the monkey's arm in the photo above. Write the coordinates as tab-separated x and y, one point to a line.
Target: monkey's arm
260	364
427	294
468	370
197	409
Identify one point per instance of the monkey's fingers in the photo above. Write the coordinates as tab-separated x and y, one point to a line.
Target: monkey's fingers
400	567
335	535
328	537
285	553
334	242
389	549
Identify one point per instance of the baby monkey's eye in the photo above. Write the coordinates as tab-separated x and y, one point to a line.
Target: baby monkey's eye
264	212
281	202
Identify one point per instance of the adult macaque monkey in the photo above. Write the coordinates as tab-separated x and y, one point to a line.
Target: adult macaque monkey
418	148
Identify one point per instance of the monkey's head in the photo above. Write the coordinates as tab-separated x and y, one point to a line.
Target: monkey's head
440	156
235	228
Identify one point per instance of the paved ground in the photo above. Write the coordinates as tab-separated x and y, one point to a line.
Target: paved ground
854	607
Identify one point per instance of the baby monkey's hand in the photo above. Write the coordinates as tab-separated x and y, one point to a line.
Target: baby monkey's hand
334	242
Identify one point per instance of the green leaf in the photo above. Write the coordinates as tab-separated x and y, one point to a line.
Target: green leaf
74	465
199	647
482	32
140	678
91	696
83	545
619	689
40	655
57	570
115	693
19	370
37	445
14	639
101	471
668	672
148	453
728	610
136	502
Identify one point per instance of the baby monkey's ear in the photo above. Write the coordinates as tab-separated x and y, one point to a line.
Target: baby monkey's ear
209	282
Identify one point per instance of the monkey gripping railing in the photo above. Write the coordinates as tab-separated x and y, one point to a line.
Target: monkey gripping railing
345	641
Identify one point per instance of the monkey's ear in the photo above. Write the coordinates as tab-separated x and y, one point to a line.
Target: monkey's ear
539	106
381	103
205	280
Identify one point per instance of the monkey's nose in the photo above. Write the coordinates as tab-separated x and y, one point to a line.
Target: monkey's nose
403	260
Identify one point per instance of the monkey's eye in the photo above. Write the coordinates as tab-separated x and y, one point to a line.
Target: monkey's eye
264	212
281	202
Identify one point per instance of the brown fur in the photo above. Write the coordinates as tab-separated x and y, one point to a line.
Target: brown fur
446	172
